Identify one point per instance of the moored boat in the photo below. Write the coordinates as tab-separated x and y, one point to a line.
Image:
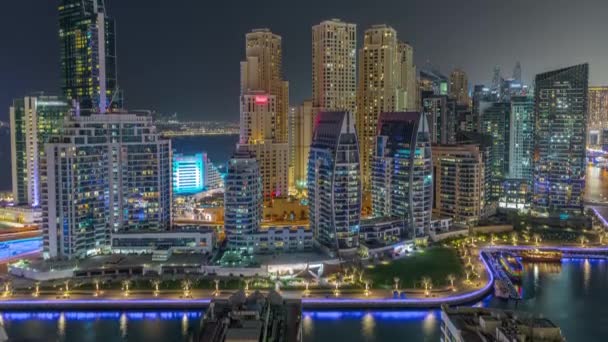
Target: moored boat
537	255
511	265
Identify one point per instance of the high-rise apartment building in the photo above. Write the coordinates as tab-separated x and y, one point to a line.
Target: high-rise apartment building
242	200
598	108
441	115
262	71
402	179
103	174
302	138
334	73
485	145
458	174
459	87
88	56
33	120
495	122
334	183
517	185
521	138
264	110
561	100
383	87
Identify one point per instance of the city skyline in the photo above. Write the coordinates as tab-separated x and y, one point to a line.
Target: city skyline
196	74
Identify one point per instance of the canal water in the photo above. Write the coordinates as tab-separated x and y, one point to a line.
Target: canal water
572	294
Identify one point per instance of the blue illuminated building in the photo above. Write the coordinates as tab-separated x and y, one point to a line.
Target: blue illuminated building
188	173
561	131
334	183
402	171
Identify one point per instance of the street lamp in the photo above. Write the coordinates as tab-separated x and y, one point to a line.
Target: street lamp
125	285
36	290
217	287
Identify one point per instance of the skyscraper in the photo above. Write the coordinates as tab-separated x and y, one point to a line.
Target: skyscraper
495	122
302	139
334	183
521	138
103	174
334	73
264	110
458	174
459	87
561	100
242	200
263	71
88	56
383	87
598	108
441	116
402	171
33	120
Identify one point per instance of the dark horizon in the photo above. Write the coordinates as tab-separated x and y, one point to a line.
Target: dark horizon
184	57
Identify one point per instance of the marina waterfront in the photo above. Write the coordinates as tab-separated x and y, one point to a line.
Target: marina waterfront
572	294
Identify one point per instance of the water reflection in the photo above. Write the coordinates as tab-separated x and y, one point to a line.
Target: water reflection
61	326
429	325
185	325
586	274
368	324
123	325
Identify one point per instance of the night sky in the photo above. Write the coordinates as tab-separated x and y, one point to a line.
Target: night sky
183	55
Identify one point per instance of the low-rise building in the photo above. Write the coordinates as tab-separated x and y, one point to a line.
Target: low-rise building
254	317
466	324
283	238
183	240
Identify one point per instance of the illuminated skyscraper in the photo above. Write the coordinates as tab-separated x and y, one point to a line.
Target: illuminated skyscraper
440	114
103	174
262	71
33	120
264	110
459	182
598	108
88	56
188	173
242	200
517	186
334	73
521	138
561	98
459	87
402	171
495	122
302	138
334	183
383	87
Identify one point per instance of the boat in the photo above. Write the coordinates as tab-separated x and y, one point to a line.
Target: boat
511	265
537	255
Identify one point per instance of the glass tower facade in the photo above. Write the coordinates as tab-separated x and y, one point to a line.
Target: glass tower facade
188	173
495	122
243	200
103	174
88	56
33	120
334	182
561	131
402	173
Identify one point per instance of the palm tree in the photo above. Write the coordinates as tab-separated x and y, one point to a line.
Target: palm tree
537	239
451	278
583	240
396	281
514	238
427	283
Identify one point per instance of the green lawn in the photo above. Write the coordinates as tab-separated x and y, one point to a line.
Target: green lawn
435	262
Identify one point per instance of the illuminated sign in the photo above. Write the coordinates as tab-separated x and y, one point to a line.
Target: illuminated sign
261	99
